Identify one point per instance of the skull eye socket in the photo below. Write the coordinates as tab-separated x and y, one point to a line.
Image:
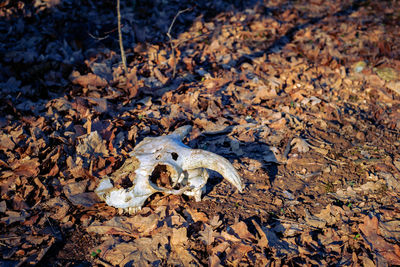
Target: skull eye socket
161	176
174	155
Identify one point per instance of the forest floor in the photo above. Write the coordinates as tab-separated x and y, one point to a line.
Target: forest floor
302	97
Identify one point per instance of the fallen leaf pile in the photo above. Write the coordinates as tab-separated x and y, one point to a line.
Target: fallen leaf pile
303	98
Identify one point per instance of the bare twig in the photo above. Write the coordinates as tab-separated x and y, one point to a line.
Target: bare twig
98	38
170	39
121	44
106	35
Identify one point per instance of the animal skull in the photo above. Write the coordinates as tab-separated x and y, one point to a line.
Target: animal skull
163	164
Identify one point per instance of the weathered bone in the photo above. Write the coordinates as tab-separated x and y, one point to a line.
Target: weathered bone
163	164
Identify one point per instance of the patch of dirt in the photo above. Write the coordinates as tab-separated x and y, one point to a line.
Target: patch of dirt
77	248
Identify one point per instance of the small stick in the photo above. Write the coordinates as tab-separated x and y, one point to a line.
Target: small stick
105	36
98	38
170	39
121	45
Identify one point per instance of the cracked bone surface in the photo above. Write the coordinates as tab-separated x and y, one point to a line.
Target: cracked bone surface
163	164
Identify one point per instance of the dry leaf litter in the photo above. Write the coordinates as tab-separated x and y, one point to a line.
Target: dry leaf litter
302	97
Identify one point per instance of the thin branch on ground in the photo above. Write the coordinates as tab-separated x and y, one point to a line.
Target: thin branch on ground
98	38
106	35
170	39
121	44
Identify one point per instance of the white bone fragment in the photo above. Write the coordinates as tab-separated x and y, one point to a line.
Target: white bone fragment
163	164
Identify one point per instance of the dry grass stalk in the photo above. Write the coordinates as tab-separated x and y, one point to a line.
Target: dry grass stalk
170	39
121	44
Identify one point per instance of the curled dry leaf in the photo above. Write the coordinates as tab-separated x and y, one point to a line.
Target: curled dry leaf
207	235
269	239
377	244
91	145
58	208
300	144
27	166
237	251
215	222
241	230
390	230
179	236
75	192
88	80
314	221
161	77
136	226
14	216
6	142
197	216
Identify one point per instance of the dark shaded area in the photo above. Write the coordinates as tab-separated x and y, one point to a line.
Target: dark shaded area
43	42
71	250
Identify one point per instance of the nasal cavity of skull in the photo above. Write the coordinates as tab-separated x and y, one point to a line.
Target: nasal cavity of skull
125	182
161	176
